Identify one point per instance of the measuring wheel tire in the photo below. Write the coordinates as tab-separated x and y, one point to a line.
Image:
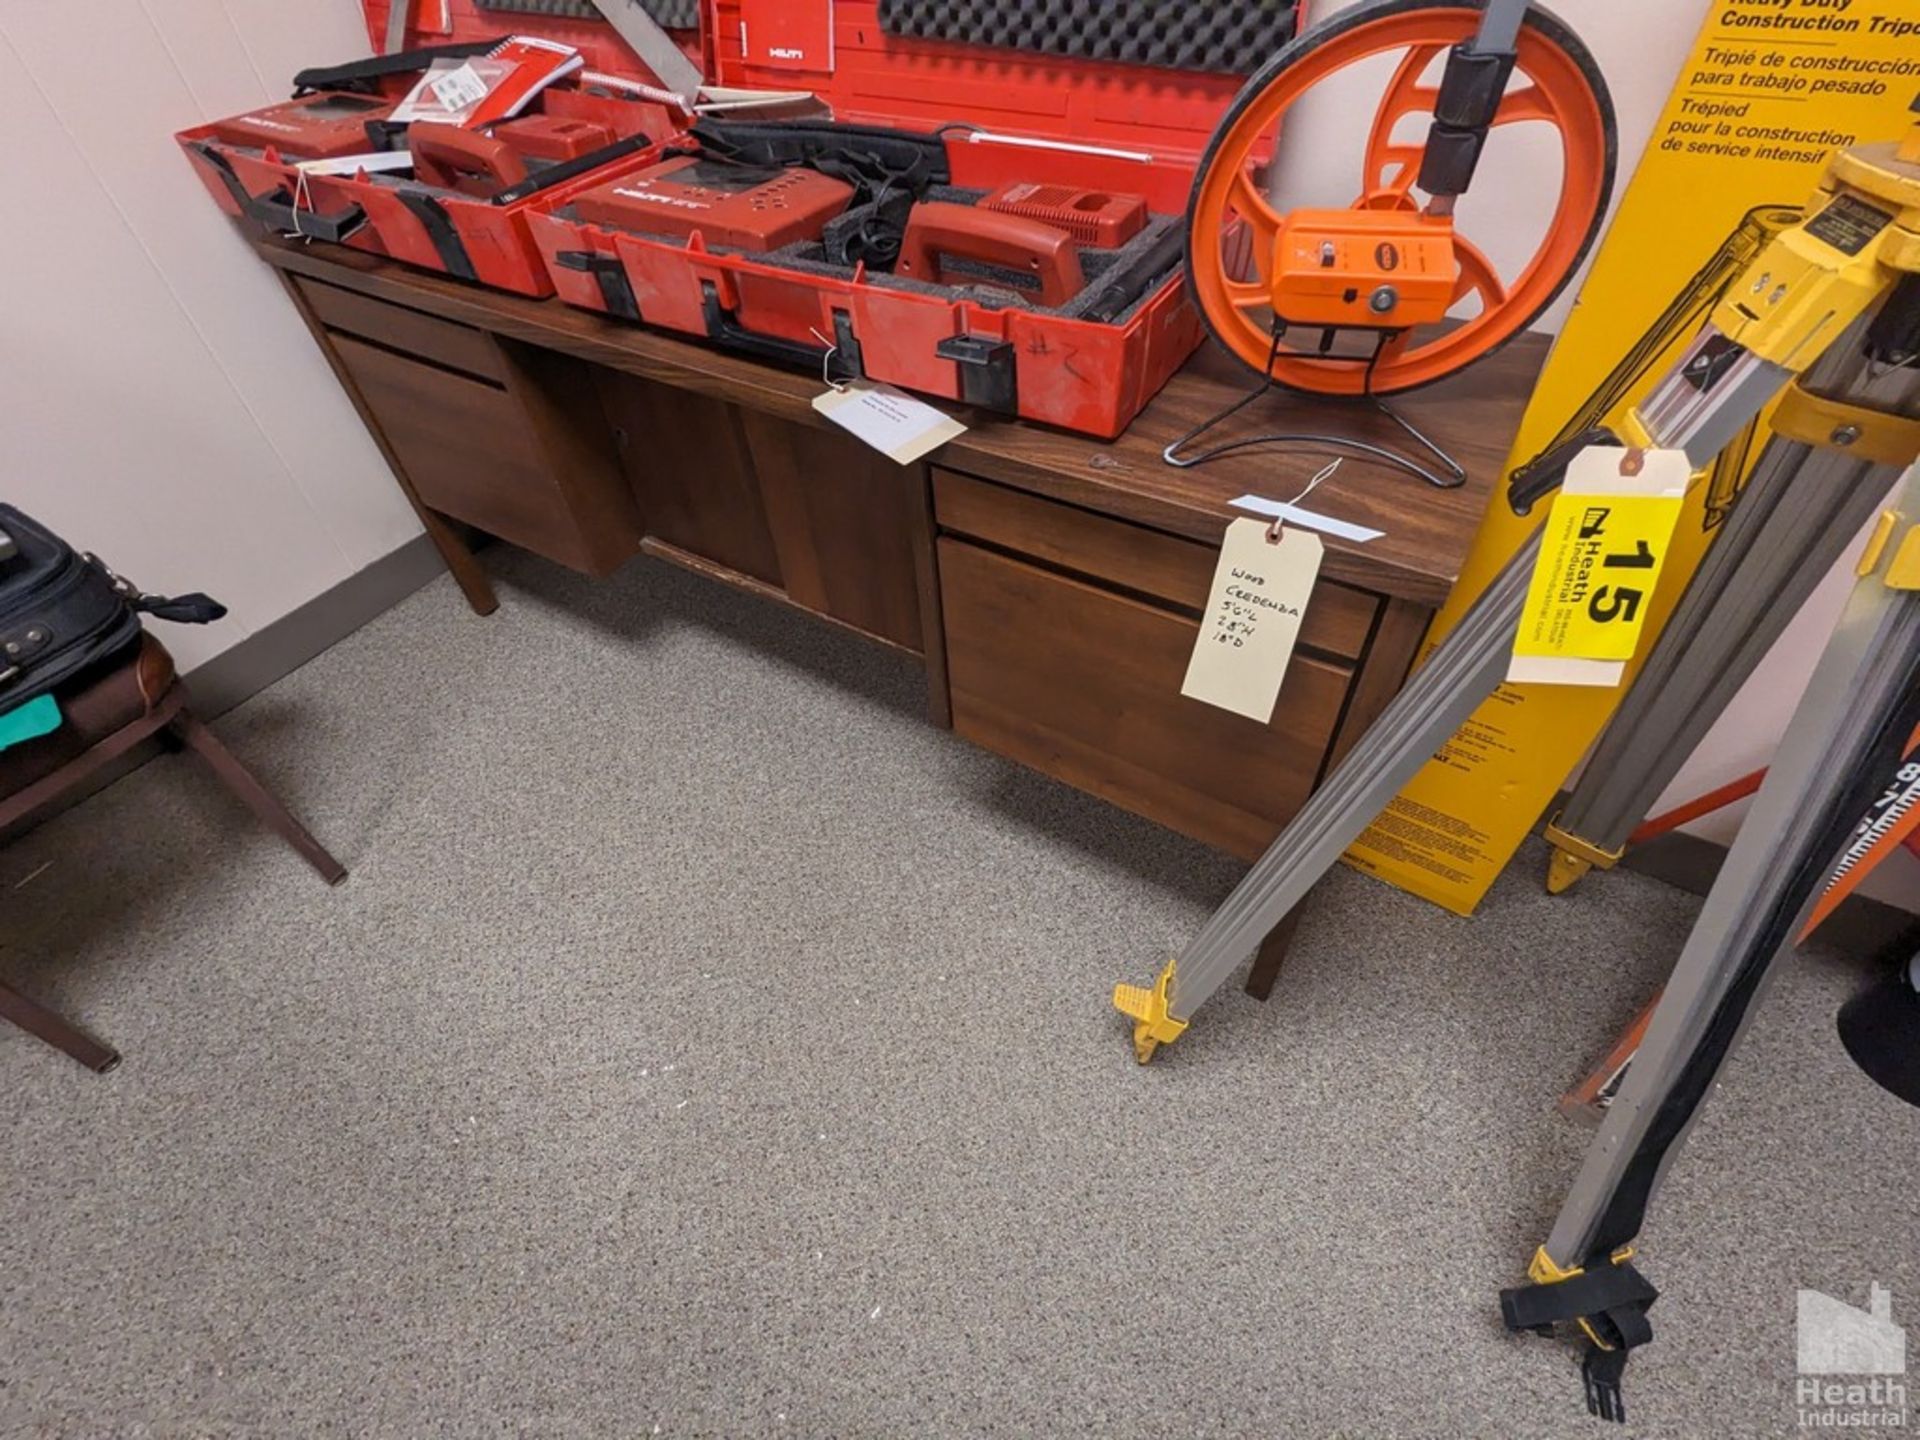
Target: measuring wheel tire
1556	80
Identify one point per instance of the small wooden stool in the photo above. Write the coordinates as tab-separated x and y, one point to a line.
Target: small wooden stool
107	711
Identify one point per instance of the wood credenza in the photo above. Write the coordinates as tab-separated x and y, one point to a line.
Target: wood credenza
1051	584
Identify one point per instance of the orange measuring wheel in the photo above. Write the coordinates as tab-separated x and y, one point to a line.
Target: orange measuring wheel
1232	225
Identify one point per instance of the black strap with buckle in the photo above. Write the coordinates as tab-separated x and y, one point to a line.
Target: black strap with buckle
1609	1300
616	292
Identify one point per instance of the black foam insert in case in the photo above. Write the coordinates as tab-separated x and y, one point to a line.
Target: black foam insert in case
1236	37
673	14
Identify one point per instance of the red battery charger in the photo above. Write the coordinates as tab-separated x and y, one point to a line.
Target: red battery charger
1092	217
448	157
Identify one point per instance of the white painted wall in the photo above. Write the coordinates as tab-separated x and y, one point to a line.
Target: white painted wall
161	403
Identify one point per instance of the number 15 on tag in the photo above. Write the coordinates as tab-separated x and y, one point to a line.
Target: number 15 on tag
1601	554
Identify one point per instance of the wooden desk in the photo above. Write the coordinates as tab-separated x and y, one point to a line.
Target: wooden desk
1052	584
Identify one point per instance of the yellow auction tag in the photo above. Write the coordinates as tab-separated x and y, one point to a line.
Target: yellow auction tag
1601	553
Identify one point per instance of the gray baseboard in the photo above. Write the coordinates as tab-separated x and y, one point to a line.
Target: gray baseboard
272	652
277	650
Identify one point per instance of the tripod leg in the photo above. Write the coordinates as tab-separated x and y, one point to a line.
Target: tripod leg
1801	510
1859	713
1443	693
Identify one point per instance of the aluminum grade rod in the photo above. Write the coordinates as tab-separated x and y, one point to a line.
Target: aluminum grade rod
1458	676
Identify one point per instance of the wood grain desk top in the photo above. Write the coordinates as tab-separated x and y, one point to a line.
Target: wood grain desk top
1428	531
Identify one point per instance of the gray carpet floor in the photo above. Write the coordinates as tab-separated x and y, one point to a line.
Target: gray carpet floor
706	1045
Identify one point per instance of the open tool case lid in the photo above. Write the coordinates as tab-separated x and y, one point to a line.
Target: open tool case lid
571	22
1136	74
1150	75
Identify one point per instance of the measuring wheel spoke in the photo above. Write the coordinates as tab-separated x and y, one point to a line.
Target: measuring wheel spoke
1254	207
1405	96
1527	103
1390	177
1262	220
1477	276
1408	100
1248	295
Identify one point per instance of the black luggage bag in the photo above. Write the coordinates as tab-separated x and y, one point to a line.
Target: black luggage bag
62	610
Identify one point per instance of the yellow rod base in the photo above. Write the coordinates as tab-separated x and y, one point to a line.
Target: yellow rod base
1565	871
1573	858
1152	1025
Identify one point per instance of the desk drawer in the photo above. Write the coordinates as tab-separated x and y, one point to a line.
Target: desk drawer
1084	684
1147	562
456	346
470	453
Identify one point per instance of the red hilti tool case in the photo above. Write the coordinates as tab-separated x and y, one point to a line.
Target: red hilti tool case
1101	108
1083	119
461	207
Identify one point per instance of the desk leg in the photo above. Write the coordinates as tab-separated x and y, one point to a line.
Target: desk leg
1273	952
466	570
926	574
56	1030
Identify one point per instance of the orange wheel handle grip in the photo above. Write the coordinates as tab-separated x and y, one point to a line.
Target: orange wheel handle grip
937	231
445	156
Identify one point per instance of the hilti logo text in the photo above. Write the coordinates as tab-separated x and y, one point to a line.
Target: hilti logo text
273	124
679	201
788	53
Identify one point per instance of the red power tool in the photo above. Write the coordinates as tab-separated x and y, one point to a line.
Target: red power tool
448	157
743	207
552	138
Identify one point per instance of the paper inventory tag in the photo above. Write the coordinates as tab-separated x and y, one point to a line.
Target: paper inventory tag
891	421
1601	553
1247	632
